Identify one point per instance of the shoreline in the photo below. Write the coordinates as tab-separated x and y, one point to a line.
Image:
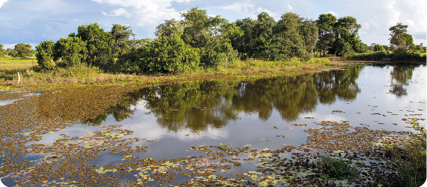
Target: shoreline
145	80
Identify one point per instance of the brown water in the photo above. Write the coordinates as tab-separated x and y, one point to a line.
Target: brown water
259	113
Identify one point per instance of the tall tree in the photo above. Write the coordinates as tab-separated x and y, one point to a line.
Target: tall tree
261	34
409	41
23	50
326	23
99	51
346	28
45	55
168	28
3	52
309	32
397	35
244	42
120	41
210	35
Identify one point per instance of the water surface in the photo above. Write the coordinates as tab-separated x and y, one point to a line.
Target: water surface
264	113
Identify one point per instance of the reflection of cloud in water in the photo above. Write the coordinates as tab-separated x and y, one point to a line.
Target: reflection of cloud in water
140	106
329	117
212	133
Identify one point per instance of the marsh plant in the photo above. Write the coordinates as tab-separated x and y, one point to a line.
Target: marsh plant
340	169
411	166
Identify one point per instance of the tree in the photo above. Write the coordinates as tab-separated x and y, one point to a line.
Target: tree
341	46
120	42
3	52
71	50
386	47
262	36
308	31
409	41
244	42
168	54
418	48
22	50
293	34
397	35
326	23
211	35
45	52
347	29
378	47
97	41
168	28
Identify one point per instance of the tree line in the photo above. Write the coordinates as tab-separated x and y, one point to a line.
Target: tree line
200	41
21	50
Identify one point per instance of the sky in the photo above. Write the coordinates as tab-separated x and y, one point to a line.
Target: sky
33	21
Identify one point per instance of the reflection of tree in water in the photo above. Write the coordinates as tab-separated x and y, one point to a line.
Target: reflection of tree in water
337	83
290	96
400	76
202	104
120	112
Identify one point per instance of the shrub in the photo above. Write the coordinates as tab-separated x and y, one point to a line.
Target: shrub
45	55
168	54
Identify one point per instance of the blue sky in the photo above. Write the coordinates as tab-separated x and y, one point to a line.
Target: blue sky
33	21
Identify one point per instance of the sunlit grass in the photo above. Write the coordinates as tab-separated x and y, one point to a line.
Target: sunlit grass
84	75
248	66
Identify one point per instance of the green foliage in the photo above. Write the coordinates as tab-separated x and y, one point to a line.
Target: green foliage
99	52
71	50
287	35
409	41
397	34
22	50
326	23
336	169
410	161
209	34
120	42
45	55
341	46
3	52
378	47
168	28
167	54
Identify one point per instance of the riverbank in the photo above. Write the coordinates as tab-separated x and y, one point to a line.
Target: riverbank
83	75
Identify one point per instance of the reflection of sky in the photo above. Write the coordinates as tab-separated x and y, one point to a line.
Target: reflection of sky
374	83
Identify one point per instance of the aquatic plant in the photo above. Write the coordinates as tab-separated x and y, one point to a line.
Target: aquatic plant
331	168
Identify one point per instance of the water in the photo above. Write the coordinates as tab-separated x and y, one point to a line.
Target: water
260	113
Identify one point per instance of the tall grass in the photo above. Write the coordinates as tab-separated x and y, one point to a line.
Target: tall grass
251	65
85	74
14	59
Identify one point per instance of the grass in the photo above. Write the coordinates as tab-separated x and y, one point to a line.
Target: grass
92	75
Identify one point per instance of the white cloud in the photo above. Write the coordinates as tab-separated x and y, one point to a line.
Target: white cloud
1	2
378	16
248	9
118	12
149	12
333	13
289	6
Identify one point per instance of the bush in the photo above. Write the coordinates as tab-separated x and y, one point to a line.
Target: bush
165	55
45	55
